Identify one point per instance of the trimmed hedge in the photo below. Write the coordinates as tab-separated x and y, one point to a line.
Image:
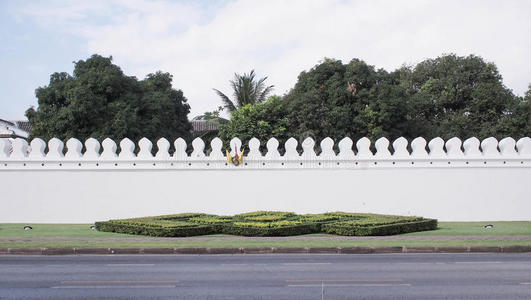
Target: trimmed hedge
159	231
380	229
272	231
268	223
210	220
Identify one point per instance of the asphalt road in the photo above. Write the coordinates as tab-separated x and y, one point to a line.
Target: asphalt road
296	276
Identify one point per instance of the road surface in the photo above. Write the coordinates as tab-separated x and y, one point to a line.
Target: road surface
277	276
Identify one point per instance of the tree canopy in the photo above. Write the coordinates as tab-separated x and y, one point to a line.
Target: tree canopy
263	121
458	96
516	121
355	100
447	96
99	101
246	90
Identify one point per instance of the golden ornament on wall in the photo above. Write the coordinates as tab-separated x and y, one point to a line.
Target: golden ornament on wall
237	159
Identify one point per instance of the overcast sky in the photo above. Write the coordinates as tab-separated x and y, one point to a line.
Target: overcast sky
203	43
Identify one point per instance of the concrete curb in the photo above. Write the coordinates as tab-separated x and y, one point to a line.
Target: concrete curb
266	250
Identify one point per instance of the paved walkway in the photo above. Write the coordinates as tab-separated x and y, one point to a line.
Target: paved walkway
242	238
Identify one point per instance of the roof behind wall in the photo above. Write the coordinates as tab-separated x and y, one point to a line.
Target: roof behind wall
15	128
24	125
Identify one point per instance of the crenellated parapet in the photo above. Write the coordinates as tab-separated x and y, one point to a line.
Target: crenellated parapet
92	154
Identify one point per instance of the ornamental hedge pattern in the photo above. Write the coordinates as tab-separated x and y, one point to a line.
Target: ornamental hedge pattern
268	223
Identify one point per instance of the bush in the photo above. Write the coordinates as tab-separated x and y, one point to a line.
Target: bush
283	223
210	220
351	228
256	214
264	218
183	216
319	218
159	231
245	230
268	223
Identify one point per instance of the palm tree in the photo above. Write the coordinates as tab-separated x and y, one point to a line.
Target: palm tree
245	91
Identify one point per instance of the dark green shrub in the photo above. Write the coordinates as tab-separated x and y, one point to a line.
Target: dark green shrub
318	218
282	223
210	220
159	231
183	216
268	223
265	218
366	229
272	231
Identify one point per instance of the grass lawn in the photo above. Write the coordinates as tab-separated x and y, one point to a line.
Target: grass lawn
55	230
84	231
476	228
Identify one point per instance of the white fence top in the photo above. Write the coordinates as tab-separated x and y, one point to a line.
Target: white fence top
18	155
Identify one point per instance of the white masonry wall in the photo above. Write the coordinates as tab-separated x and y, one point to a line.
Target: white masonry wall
450	181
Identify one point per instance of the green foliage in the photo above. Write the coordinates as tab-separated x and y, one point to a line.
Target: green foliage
516	121
354	100
354	229
446	96
264	218
262	230
99	101
318	218
262	121
246	90
182	216
160	231
210	220
268	223
341	214
462	96
212	117
265	224
264	213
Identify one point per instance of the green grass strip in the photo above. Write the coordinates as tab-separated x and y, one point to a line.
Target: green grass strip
286	243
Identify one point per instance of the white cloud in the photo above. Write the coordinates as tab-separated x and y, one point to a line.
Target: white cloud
281	38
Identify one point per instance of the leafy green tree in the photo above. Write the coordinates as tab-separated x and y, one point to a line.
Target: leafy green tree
99	101
262	121
246	90
447	96
458	96
355	100
516	121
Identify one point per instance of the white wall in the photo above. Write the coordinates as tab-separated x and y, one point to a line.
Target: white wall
484	185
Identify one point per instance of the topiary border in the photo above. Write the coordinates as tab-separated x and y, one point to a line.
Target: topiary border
387	229
306	228
340	223
158	231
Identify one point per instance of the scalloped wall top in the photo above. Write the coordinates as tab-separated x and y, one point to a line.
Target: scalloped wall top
400	148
